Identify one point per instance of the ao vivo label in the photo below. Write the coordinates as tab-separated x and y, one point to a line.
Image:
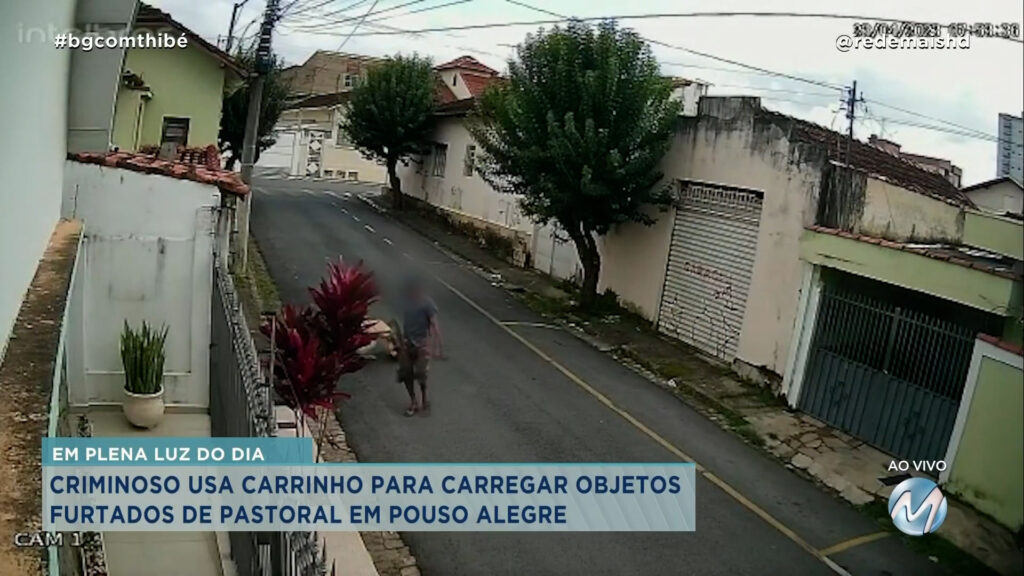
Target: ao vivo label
917	465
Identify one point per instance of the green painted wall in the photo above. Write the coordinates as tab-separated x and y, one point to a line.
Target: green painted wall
967	286
125	112
988	470
994	233
185	82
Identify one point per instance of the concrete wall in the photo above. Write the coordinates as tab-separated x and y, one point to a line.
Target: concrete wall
986	453
148	255
128	117
726	145
633	261
34	96
994	233
96	75
457	192
999	198
185	83
901	215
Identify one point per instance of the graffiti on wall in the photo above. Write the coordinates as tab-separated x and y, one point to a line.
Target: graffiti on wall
710	319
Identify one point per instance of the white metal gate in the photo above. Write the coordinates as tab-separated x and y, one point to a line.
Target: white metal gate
714	242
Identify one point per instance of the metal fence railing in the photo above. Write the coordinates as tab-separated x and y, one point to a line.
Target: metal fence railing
241	404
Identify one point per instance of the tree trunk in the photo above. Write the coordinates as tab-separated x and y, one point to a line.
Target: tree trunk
586	248
395	183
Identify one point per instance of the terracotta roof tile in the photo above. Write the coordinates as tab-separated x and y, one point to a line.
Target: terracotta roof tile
226	181
869	159
468	63
478	84
443	93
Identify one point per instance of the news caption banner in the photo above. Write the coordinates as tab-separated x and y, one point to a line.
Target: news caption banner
271	484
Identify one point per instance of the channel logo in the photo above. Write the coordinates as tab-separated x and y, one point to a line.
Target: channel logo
917	506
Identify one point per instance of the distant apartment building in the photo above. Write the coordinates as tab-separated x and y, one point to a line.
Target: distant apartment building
946	168
327	72
1010	155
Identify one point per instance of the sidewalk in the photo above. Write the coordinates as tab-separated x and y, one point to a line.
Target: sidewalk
369	553
832	458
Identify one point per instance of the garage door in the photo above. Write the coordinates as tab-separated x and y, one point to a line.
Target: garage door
714	242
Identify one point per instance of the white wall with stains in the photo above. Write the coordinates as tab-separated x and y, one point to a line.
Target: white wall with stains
147	255
34	95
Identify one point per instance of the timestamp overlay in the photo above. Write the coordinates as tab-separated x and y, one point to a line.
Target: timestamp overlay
880	36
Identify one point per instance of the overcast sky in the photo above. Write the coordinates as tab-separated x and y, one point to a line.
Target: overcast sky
968	87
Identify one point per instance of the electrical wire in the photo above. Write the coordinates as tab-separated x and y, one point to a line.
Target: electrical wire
418	10
649	16
334	23
925	116
356	27
695	52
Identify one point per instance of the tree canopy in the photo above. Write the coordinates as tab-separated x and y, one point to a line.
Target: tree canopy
236	108
578	132
389	116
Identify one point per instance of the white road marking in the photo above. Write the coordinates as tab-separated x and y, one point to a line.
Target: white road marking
308	191
387	241
406	255
356	218
345	210
369	228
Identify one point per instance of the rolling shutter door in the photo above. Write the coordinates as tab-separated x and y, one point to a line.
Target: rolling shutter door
714	242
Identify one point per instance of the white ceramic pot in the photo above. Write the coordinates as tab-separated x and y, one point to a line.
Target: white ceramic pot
144	410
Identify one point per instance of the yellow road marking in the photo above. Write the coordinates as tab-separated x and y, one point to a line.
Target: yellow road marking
852	543
721	484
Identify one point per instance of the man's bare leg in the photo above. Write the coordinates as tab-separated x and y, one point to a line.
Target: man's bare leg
410	387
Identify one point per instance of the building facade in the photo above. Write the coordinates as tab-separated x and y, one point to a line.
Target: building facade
1003	195
327	72
311	144
174	95
1010	148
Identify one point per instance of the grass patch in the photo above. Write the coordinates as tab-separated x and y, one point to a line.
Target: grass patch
255	287
934	545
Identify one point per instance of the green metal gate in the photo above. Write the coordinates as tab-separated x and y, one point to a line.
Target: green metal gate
890	376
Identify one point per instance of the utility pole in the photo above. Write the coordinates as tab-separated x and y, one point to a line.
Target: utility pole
851	115
231	27
252	125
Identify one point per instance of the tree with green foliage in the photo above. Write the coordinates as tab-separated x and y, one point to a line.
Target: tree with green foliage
389	116
236	108
578	132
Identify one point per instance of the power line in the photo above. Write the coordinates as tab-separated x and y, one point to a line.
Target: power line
307	9
691	51
779	90
716	14
334	23
462	48
925	116
418	10
356	27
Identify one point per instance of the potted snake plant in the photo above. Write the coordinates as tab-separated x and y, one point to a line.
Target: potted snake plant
142	354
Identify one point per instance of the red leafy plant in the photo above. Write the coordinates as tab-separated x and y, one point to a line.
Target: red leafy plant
315	345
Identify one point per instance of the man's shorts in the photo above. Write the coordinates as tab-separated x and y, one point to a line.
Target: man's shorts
413	363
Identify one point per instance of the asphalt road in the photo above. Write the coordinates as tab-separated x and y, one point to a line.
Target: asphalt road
496	400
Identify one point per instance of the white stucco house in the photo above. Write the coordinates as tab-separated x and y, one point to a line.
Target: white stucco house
1000	195
311	144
